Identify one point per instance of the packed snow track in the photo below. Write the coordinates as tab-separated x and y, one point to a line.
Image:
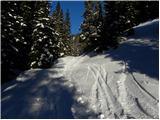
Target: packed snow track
121	83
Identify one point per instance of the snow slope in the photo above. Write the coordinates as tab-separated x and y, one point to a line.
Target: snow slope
121	83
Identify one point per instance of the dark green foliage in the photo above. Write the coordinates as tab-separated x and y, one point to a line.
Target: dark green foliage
78	47
146	10
44	49
23	24
28	8
92	25
67	23
62	28
87	26
67	34
113	25
12	39
58	18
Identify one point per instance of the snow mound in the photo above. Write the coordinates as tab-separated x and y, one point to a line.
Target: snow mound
121	83
148	30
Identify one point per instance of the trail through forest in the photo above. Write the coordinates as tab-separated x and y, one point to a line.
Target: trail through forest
121	83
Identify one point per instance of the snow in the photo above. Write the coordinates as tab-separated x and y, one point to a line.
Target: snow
35	30
11	29
39	63
17	21
46	19
40	24
14	48
33	63
10	87
121	83
45	37
56	33
82	36
94	34
15	17
17	39
50	42
61	54
10	14
22	24
148	29
8	26
40	40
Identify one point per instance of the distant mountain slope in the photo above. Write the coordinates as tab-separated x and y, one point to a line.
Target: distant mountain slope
121	83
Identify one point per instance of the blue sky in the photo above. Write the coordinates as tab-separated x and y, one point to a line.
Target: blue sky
76	9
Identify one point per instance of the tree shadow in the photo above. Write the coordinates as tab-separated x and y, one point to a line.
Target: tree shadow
140	56
42	96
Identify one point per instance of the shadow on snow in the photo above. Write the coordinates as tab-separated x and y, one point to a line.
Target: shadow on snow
142	58
41	96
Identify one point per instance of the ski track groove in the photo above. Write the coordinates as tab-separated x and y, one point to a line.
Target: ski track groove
110	98
87	73
143	89
144	92
97	85
124	96
122	90
141	108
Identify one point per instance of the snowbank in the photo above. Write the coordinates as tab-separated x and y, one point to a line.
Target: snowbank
148	30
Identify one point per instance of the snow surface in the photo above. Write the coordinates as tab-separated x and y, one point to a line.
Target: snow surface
121	83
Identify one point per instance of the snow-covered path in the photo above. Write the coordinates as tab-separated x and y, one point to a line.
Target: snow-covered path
113	94
125	83
121	83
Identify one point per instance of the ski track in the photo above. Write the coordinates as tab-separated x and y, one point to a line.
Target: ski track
126	99
122	90
113	107
98	94
143	89
131	104
106	104
151	109
103	101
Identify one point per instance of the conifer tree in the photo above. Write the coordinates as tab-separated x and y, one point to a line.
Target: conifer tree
111	29
67	32
98	18
119	16
28	37
88	26
12	38
67	23
28	14
58	18
147	10
43	51
62	28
